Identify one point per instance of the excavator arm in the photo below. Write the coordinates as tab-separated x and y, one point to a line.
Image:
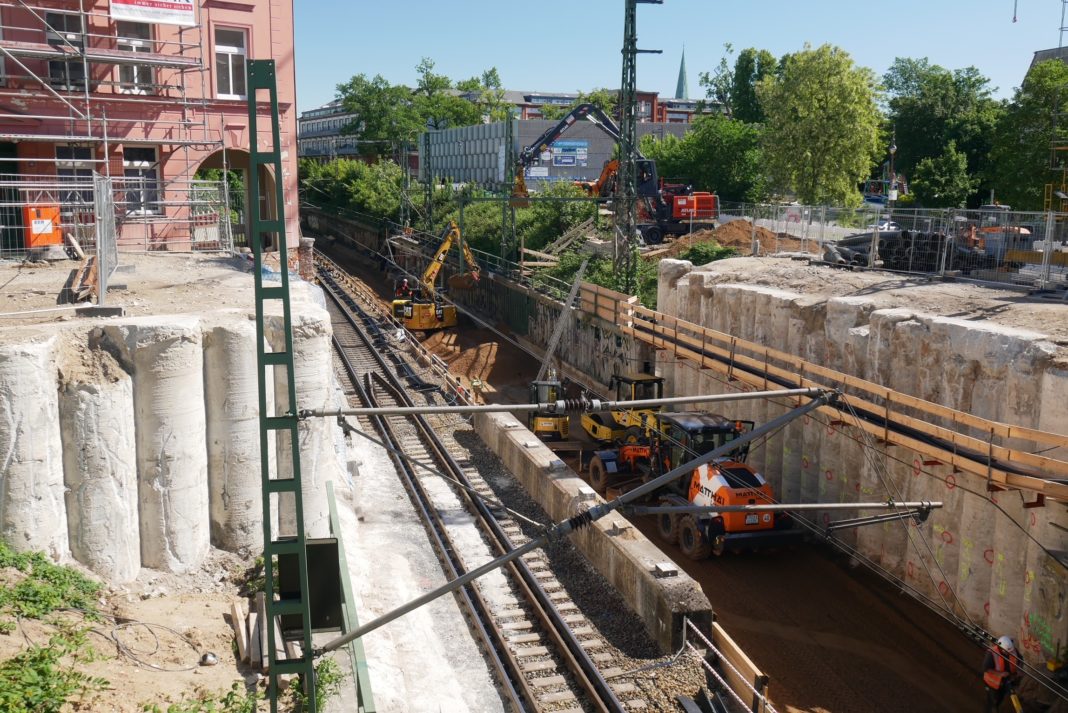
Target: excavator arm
590	112
430	275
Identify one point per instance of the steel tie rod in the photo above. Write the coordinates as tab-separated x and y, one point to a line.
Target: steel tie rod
581	405
562	529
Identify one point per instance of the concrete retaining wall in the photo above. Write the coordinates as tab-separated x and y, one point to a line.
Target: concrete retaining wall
159	455
616	549
986	553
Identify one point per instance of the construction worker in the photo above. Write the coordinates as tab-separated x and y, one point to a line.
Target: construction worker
403	290
1000	672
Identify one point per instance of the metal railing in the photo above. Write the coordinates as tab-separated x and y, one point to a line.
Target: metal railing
992	244
66	215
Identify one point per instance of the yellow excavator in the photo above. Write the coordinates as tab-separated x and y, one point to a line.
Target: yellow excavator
425	310
626	425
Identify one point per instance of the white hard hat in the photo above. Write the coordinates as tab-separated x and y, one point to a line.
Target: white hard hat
1006	643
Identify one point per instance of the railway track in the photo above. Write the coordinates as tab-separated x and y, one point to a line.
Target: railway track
546	654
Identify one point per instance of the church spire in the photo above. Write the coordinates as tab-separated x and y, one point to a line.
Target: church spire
682	91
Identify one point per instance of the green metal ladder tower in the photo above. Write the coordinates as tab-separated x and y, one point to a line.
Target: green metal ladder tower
261	76
626	205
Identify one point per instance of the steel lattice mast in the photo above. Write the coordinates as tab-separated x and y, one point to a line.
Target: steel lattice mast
626	205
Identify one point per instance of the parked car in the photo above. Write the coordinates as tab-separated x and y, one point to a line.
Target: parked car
884	225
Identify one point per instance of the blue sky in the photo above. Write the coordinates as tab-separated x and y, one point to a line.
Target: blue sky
571	45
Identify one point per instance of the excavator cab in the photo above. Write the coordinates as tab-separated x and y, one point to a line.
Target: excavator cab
430	311
548	425
629	424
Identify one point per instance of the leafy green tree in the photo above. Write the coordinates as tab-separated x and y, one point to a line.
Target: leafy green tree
1020	159
435	102
943	181
930	106
822	124
487	92
719	83
718	154
384	113
371	190
605	99
751	67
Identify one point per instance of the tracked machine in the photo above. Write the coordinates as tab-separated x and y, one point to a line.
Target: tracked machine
425	310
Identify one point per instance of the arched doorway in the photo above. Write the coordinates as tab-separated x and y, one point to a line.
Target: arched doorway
235	162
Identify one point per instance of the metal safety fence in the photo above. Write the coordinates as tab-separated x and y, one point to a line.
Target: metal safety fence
993	243
57	216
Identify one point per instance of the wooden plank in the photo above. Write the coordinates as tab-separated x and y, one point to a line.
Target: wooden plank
1054	490
536	253
237	618
1053	465
255	655
748	676
73	242
261	615
1000	429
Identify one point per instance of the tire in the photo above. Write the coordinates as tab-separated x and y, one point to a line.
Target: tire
692	543
598	475
667	526
653	235
633	435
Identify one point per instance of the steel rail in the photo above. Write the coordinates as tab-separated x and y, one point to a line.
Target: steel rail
582	667
494	642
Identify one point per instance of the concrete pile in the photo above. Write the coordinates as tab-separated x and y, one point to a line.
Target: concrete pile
136	444
982	554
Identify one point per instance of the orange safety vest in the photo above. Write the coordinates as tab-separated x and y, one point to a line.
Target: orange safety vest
1004	667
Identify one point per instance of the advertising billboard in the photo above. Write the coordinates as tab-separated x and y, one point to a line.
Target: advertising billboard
162	12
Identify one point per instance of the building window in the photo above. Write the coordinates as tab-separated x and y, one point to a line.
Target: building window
230	52
140	168
67	32
74	168
135	37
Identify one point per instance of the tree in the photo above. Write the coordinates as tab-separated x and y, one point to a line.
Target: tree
605	99
751	67
1020	160
943	181
384	113
717	154
822	124
436	103
372	190
487	93
930	106
719	84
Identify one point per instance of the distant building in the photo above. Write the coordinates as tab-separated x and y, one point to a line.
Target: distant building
1060	53
319	133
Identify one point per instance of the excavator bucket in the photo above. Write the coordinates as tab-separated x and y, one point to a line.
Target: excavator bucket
464	281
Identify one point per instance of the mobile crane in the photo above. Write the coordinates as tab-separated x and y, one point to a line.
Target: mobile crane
662	209
426	311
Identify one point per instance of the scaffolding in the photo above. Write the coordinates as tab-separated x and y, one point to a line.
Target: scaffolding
81	83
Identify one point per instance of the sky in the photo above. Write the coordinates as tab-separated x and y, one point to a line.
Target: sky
573	45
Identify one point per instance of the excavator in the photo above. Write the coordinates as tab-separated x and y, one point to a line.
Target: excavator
671	439
663	209
427	311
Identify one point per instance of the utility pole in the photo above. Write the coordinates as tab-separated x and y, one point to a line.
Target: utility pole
626	203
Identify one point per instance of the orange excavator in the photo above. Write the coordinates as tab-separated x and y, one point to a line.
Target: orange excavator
681	437
663	209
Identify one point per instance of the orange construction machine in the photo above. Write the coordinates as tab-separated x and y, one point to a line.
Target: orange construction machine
683	436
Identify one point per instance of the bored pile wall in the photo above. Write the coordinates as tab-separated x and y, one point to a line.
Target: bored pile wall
136	443
981	554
